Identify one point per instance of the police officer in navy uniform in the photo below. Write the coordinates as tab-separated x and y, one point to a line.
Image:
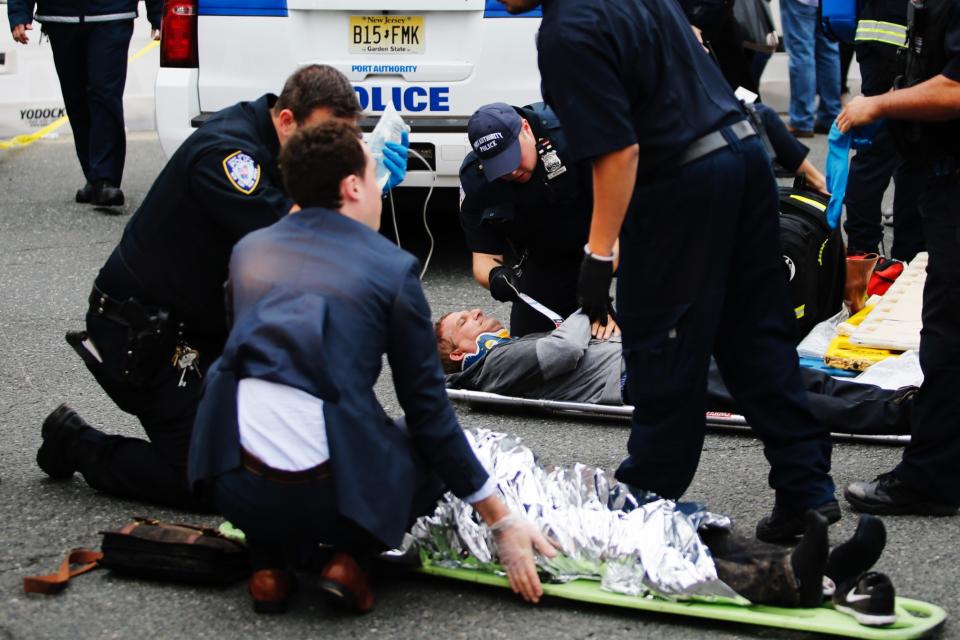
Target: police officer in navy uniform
678	167
881	35
522	195
157	317
923	114
90	39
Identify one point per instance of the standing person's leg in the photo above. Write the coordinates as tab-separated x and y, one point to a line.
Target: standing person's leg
755	353
799	24
931	462
872	167
107	50
870	172
675	252
828	81
68	43
909	177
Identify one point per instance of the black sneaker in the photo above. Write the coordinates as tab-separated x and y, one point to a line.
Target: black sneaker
57	454
888	495
785	524
870	599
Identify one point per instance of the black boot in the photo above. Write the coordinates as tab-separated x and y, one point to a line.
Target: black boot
59	453
107	195
809	559
785	524
85	195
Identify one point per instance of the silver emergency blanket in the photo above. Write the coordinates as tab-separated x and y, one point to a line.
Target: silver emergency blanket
601	531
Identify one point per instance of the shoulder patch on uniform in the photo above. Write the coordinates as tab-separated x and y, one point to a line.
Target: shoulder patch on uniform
242	171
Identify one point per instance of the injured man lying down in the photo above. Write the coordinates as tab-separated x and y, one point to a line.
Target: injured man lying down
568	364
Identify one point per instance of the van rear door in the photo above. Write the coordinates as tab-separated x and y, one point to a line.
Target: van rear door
435	60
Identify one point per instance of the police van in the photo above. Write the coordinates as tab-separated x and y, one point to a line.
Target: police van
435	60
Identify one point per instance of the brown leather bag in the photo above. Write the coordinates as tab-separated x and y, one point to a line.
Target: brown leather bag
155	550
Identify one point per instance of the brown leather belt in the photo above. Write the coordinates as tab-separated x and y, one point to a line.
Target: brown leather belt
255	465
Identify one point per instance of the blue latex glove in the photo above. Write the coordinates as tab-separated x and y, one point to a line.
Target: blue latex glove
395	160
838	163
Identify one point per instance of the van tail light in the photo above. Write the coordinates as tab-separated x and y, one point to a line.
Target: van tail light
178	35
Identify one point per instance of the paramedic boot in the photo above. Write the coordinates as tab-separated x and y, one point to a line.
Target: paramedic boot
59	454
859	269
786	524
107	195
85	194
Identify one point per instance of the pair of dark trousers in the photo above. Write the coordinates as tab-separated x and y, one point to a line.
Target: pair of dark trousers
702	271
152	470
931	462
91	62
872	168
284	522
841	406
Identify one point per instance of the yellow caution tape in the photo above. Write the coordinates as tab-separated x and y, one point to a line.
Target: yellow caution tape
26	139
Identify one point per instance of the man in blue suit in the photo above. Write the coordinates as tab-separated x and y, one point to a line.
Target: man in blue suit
290	441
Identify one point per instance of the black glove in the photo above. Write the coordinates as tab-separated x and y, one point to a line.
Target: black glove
503	284
593	288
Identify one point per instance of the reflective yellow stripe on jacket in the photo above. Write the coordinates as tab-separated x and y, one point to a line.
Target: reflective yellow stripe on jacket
878	31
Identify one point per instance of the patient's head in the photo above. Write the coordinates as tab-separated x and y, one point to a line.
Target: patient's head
457	335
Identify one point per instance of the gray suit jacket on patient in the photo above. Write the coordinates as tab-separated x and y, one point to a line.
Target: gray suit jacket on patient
565	364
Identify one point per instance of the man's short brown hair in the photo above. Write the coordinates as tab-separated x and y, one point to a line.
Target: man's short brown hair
316	86
445	347
317	158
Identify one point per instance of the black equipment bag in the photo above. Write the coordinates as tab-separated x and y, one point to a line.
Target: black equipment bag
814	257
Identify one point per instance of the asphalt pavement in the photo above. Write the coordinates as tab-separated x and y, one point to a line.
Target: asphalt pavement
50	251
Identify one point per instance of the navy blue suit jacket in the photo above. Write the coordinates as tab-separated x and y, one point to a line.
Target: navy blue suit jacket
317	300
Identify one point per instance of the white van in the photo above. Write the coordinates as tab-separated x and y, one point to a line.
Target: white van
435	60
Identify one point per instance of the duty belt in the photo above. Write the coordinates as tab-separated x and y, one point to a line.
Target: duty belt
711	142
103	17
128	313
879	31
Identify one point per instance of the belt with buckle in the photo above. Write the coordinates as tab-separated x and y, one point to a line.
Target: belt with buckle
255	465
109	308
713	141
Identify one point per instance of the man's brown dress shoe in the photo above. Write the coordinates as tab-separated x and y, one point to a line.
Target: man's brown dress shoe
271	589
345	584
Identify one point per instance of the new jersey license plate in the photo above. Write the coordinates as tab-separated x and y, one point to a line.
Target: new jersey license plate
387	34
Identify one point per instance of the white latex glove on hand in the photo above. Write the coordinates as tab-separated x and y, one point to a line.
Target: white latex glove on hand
516	540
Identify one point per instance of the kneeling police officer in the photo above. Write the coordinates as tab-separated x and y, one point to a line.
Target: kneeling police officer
522	194
157	317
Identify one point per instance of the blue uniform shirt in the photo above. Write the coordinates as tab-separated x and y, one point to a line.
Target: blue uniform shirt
547	218
630	71
222	183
